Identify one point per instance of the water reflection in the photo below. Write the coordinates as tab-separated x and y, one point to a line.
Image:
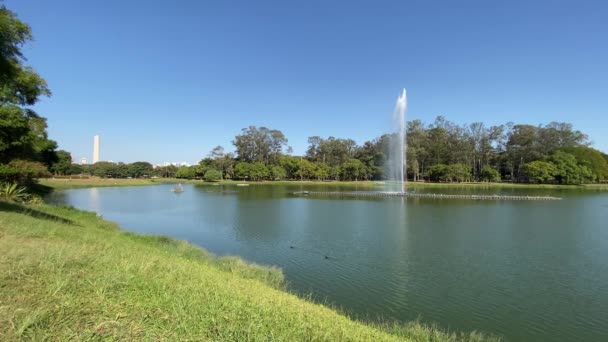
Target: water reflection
94	200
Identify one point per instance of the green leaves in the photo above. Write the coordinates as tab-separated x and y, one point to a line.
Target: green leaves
13	33
450	173
540	171
560	167
186	172
19	84
591	158
13	192
213	175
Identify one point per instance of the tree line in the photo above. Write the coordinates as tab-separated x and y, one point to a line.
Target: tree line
441	151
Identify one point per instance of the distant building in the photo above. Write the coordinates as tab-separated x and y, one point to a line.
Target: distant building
95	149
83	161
178	164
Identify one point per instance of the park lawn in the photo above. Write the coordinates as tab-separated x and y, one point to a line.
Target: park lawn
66	274
67	183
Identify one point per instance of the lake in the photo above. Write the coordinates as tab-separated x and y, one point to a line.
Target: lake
525	270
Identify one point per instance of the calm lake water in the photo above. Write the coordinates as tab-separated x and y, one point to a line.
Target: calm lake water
529	271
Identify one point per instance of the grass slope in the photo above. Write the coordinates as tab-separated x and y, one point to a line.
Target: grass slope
69	275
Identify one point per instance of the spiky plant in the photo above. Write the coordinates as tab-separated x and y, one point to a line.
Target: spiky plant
12	192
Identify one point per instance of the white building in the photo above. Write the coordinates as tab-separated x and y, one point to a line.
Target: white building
95	149
178	164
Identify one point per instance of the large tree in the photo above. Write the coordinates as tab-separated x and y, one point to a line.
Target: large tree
224	162
63	165
331	151
262	145
22	131
417	148
140	169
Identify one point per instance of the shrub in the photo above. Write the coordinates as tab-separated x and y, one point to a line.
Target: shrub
438	173
259	171
186	172
23	171
213	175
277	172
8	173
450	173
242	170
459	173
490	174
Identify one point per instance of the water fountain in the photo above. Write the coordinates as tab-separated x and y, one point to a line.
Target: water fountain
396	166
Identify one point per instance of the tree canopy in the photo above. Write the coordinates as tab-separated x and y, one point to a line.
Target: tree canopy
442	151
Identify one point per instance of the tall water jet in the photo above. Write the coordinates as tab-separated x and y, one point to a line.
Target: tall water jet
397	160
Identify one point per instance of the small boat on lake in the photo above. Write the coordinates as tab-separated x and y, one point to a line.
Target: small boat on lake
178	188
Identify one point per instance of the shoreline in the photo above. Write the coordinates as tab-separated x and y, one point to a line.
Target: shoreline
61	184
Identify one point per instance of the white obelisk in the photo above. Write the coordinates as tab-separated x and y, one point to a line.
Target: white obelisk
95	149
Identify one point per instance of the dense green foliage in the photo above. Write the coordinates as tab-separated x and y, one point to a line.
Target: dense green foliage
63	164
23	133
186	172
22	171
568	170
539	171
565	168
592	159
113	170
69	275
450	173
489	174
213	175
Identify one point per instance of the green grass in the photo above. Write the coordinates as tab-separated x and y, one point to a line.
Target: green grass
61	183
67	274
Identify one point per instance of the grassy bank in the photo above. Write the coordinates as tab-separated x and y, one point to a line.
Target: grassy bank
69	275
61	183
505	186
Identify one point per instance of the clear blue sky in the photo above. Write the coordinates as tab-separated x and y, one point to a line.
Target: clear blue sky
169	80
